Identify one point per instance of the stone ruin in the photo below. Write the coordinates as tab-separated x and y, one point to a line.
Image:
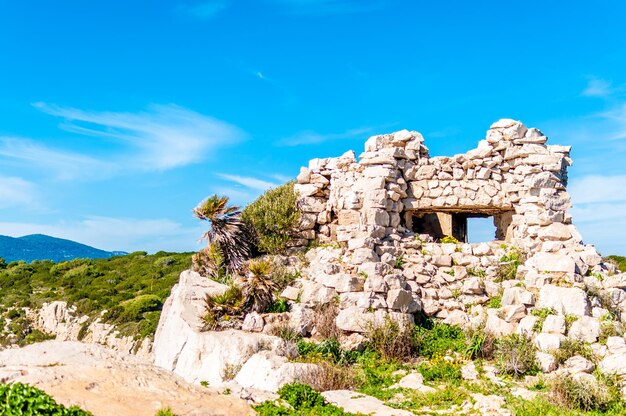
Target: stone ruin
382	229
397	206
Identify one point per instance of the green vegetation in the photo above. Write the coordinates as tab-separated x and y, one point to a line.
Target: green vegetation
516	355
165	412
436	339
229	235
273	217
619	261
571	347
509	262
19	399
300	399
132	288
541	314
448	239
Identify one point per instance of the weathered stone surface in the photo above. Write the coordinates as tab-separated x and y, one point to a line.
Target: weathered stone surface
578	364
548	342
253	322
359	403
268	372
585	328
565	300
547	362
554	324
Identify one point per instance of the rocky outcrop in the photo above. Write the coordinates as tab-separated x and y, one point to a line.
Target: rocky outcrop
109	383
253	359
59	319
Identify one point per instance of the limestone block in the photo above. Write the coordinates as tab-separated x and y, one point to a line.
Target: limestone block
364	255
498	327
585	328
347	283
413	381
547	362
548	342
554	324
616	345
526	325
253	322
579	364
472	286
268	372
555	231
614	364
517	296
514	313
361	404
375	283
399	299
566	301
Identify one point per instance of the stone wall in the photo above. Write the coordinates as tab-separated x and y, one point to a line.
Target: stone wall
377	206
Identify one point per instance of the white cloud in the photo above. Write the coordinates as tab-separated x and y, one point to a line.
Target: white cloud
207	9
126	234
598	189
164	137
597	88
599	203
249	182
64	164
311	137
16	192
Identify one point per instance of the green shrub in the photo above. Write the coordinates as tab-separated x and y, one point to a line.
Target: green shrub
507	269
440	369
391	339
304	401
495	302
448	239
19	399
165	412
480	344
329	349
134	309
584	394
516	355
280	305
571	347
3	263
619	261
542	314
436	338
274	217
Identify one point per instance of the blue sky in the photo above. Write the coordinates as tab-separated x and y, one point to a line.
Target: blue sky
117	117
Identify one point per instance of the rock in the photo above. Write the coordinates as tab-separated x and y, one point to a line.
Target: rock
554	324
291	293
523	393
490	405
353	402
526	325
517	296
566	301
550	262
196	356
514	313
548	342
586	329
578	364
268	372
498	327
616	345
547	362
111	383
469	372
253	322
413	381
614	364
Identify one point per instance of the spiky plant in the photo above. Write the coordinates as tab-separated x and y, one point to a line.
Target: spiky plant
210	262
218	307
257	287
227	230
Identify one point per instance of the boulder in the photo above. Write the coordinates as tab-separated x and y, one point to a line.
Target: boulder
565	300
359	403
586	329
268	372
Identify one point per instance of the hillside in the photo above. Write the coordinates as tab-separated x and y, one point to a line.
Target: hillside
43	247
132	288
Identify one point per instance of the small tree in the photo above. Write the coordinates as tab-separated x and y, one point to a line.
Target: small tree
3	263
227	230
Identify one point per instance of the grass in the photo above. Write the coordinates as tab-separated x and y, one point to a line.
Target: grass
133	287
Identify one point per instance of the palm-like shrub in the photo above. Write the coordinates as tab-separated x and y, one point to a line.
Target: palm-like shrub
257	286
219	309
210	262
227	230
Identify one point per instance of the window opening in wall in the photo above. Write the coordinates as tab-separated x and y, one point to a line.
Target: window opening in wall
466	227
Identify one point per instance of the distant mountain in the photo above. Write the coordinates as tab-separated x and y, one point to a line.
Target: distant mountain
44	247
